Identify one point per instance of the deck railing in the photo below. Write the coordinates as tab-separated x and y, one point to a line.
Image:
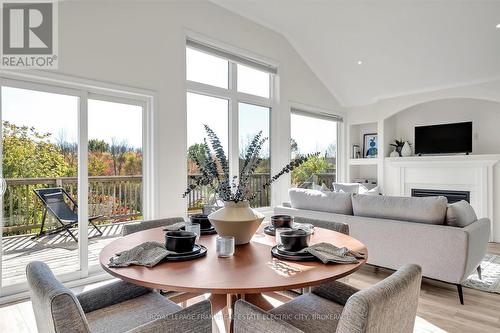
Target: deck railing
117	198
200	196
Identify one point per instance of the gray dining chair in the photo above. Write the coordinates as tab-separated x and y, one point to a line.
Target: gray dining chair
334	226
131	228
330	225
117	307
388	306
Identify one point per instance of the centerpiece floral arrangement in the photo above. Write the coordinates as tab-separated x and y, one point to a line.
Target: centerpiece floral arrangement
214	169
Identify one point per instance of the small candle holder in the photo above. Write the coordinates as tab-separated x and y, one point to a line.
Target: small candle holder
225	246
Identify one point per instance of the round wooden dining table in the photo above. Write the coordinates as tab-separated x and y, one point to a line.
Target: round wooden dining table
249	273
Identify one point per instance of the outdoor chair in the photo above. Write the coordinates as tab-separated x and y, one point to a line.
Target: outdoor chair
113	308
53	200
388	306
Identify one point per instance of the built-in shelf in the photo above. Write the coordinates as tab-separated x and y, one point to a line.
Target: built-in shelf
363	161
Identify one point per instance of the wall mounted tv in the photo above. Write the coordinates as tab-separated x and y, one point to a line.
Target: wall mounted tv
444	139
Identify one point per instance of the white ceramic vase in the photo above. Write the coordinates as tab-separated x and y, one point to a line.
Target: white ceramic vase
238	220
394	153
406	150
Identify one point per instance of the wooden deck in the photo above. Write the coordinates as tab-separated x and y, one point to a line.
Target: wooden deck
59	251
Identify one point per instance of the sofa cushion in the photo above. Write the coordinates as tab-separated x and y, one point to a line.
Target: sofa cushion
331	202
431	210
460	214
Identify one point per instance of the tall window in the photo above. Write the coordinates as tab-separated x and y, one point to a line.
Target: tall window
312	133
56	140
233	96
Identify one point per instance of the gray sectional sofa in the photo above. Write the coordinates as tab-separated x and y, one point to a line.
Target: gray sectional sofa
447	241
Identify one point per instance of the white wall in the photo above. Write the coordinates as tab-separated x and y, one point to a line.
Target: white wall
482	114
142	44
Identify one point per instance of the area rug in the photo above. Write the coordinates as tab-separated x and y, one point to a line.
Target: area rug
490	267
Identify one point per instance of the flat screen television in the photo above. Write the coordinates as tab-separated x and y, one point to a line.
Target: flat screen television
444	139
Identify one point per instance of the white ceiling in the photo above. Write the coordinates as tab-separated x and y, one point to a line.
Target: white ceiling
406	46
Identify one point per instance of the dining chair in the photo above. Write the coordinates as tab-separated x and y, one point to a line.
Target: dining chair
117	307
335	226
388	306
331	225
131	228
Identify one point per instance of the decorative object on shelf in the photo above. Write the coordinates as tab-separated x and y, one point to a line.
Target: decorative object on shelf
370	145
394	153
406	150
236	218
398	145
356	151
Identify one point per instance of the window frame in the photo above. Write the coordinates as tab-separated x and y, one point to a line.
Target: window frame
84	90
234	97
320	114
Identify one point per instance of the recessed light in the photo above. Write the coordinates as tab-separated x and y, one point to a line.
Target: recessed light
498	26
360	62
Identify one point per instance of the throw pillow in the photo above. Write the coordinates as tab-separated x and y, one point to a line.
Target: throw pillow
366	191
321	188
460	214
352	188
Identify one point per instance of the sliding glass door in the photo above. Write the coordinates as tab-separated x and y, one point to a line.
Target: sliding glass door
115	170
49	135
40	151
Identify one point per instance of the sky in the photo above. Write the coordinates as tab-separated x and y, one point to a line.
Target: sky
57	114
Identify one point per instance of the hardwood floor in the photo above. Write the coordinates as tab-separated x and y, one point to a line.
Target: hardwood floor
439	309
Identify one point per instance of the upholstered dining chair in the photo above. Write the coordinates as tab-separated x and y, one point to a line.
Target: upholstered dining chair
335	226
117	307
131	228
388	306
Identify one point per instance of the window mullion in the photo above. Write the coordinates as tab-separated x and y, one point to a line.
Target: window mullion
233	122
83	184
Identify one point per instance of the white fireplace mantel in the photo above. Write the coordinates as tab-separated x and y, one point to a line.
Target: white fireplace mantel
473	173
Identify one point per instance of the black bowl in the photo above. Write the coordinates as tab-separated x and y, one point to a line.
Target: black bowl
281	221
180	241
202	220
295	240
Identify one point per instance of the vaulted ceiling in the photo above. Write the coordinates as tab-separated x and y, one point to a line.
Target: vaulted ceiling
404	46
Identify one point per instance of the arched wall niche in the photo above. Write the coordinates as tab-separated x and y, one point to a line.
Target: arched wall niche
484	113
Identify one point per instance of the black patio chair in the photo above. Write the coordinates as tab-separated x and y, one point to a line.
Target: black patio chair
53	202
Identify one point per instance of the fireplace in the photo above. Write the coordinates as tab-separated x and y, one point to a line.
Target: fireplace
452	196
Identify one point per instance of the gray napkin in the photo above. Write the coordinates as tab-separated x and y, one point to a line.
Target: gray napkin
329	253
175	226
146	254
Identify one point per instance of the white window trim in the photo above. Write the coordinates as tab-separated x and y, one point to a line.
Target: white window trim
84	89
233	96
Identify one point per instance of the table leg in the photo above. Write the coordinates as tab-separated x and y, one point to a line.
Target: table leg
228	312
259	301
218	301
226	304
